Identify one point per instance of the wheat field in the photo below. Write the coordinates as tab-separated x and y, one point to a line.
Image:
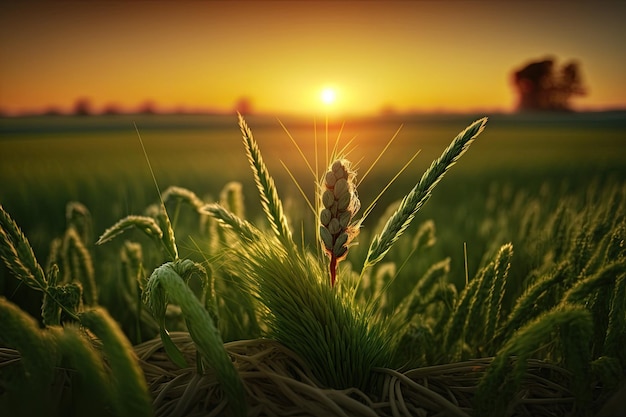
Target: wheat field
239	271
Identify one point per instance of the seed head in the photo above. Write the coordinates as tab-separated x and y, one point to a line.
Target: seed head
340	203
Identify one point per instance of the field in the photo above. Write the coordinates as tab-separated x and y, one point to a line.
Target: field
551	186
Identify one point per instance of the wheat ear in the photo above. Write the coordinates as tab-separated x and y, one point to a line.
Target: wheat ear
417	197
270	201
241	227
18	255
144	223
339	205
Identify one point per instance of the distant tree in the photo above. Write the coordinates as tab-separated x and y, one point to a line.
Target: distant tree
112	109
147	107
82	106
244	105
540	87
51	111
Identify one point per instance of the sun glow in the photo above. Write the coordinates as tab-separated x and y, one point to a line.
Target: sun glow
328	96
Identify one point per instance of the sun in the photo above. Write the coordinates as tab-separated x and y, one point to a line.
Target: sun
328	96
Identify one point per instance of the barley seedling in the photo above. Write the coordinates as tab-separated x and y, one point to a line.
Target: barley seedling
417	197
167	282
54	259
339	202
131	397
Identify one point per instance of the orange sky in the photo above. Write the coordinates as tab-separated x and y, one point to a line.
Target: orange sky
410	55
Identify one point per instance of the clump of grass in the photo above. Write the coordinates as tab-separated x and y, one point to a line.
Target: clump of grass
341	340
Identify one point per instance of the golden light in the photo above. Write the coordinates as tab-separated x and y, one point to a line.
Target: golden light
328	96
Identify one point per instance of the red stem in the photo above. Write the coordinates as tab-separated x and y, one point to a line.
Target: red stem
333	270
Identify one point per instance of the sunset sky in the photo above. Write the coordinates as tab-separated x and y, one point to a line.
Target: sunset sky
408	55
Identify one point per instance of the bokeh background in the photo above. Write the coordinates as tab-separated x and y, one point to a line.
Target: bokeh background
277	56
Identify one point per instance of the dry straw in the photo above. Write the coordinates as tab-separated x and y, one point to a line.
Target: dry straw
278	382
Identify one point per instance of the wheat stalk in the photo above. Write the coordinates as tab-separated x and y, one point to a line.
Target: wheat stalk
417	197
339	203
17	254
272	206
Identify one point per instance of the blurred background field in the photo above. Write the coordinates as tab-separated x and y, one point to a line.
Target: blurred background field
47	161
